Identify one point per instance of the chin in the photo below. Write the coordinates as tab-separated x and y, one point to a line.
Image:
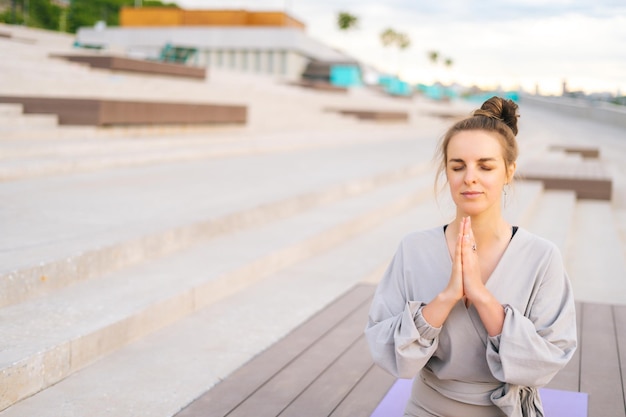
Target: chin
473	210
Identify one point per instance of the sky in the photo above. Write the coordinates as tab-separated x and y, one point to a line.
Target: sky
508	44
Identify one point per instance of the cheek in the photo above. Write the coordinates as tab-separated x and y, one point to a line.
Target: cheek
452	177
495	182
455	181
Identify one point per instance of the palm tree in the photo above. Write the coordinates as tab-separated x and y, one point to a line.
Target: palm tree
400	40
403	41
346	21
388	37
448	62
433	56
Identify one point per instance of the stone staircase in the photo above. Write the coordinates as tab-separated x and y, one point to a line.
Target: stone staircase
117	254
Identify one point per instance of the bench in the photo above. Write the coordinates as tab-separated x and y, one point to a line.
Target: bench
176	54
587	178
324	368
320	86
585	152
118	63
107	112
376	115
95	46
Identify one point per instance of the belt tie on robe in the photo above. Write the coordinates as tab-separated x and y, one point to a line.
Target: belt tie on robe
513	400
477	393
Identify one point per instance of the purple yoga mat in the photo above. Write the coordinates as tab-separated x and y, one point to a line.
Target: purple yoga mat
556	403
395	399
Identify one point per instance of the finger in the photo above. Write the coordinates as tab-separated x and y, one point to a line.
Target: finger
469	232
459	247
464	230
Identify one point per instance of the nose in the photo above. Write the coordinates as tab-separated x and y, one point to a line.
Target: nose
470	176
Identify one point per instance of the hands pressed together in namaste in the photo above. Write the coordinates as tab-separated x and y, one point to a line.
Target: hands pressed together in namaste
465	281
466	284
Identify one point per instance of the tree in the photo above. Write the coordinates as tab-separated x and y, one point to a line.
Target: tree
400	40
48	14
433	56
388	37
34	13
403	41
88	12
346	21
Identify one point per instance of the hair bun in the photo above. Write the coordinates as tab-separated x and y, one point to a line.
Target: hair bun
500	109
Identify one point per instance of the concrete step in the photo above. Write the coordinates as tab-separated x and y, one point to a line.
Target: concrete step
206	346
520	201
136	380
75	326
552	217
48	133
595	257
10	122
94	223
620	218
9	109
29	158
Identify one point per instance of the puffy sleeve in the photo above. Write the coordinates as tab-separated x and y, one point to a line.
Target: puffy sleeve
534	345
400	340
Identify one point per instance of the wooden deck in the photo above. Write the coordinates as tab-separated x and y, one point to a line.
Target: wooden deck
323	368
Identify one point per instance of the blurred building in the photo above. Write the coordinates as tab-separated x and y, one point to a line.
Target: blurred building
257	42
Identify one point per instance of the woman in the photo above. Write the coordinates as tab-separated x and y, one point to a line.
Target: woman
480	313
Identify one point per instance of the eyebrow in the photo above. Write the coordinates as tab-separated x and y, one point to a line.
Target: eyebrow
480	160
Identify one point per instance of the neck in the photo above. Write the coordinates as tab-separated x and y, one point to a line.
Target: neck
486	228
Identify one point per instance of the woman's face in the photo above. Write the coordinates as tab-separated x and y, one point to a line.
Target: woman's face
476	172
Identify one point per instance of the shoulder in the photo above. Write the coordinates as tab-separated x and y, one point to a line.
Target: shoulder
423	237
420	243
530	241
537	251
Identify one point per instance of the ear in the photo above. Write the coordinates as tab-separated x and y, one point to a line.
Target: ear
511	172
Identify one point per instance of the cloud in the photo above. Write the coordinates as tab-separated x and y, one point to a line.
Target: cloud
491	41
508	10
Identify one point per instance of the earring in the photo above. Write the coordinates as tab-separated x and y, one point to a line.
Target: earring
504	192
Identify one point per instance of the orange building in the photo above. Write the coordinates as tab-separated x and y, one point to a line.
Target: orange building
166	16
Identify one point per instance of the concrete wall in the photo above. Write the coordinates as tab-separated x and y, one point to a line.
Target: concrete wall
283	52
288	65
253	38
598	111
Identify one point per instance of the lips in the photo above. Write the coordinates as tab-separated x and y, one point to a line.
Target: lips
471	194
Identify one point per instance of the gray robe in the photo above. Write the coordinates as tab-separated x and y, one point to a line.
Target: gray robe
460	360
